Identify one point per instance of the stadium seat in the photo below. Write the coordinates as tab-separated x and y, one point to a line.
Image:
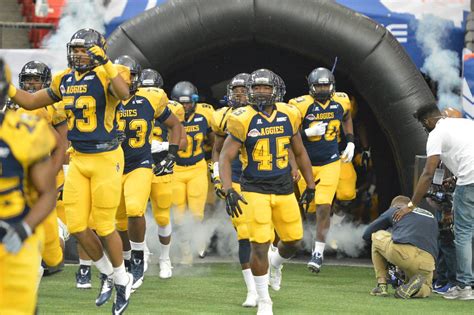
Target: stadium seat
28	11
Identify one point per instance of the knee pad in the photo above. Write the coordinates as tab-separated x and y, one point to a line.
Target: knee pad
135	209
162	219
244	251
164	230
121	224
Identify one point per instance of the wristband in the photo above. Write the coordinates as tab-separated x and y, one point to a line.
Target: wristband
111	70
65	169
27	228
411	205
215	169
350	137
173	149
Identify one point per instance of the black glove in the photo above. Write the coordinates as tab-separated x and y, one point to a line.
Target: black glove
166	165
14	235
232	199
121	136
307	197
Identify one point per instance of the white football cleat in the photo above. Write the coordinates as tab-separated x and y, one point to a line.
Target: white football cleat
265	307
63	230
275	277
146	258
251	300
165	269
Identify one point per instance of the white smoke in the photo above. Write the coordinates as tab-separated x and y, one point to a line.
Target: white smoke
441	65
77	14
343	237
197	235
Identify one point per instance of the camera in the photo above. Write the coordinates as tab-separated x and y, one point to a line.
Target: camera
441	195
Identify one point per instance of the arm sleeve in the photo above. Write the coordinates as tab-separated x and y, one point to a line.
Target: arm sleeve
159	101
54	90
296	119
381	223
178	110
236	129
217	122
164	115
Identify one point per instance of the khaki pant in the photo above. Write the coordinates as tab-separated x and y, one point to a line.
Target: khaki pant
408	258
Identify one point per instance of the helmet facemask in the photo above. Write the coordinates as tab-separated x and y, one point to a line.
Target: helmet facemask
185	99
237	96
262	99
79	61
26	83
134	81
321	92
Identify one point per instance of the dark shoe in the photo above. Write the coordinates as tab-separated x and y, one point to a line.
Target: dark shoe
380	290
315	263
137	269
83	277
106	287
122	296
409	289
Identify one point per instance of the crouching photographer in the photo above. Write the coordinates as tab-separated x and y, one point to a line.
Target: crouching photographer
450	141
411	246
440	197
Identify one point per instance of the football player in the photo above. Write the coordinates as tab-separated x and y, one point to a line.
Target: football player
190	178
237	97
161	187
346	186
28	195
263	132
91	90
34	76
136	120
323	111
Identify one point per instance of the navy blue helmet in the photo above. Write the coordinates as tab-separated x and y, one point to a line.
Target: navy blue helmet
34	69
185	92
237	99
134	67
151	78
85	38
262	77
322	84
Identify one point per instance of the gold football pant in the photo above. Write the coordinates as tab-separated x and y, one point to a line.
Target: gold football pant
268	211
136	186
326	189
19	276
93	188
408	258
52	253
190	186
346	188
160	196
240	223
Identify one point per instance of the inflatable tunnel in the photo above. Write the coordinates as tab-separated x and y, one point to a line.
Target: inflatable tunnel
209	41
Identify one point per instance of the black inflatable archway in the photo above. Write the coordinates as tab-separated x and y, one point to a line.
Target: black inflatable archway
208	41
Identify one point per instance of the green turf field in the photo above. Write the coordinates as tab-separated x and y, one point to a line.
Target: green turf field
218	288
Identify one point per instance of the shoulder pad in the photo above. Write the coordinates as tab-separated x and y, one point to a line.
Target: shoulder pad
222	109
207	106
341	95
174	103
